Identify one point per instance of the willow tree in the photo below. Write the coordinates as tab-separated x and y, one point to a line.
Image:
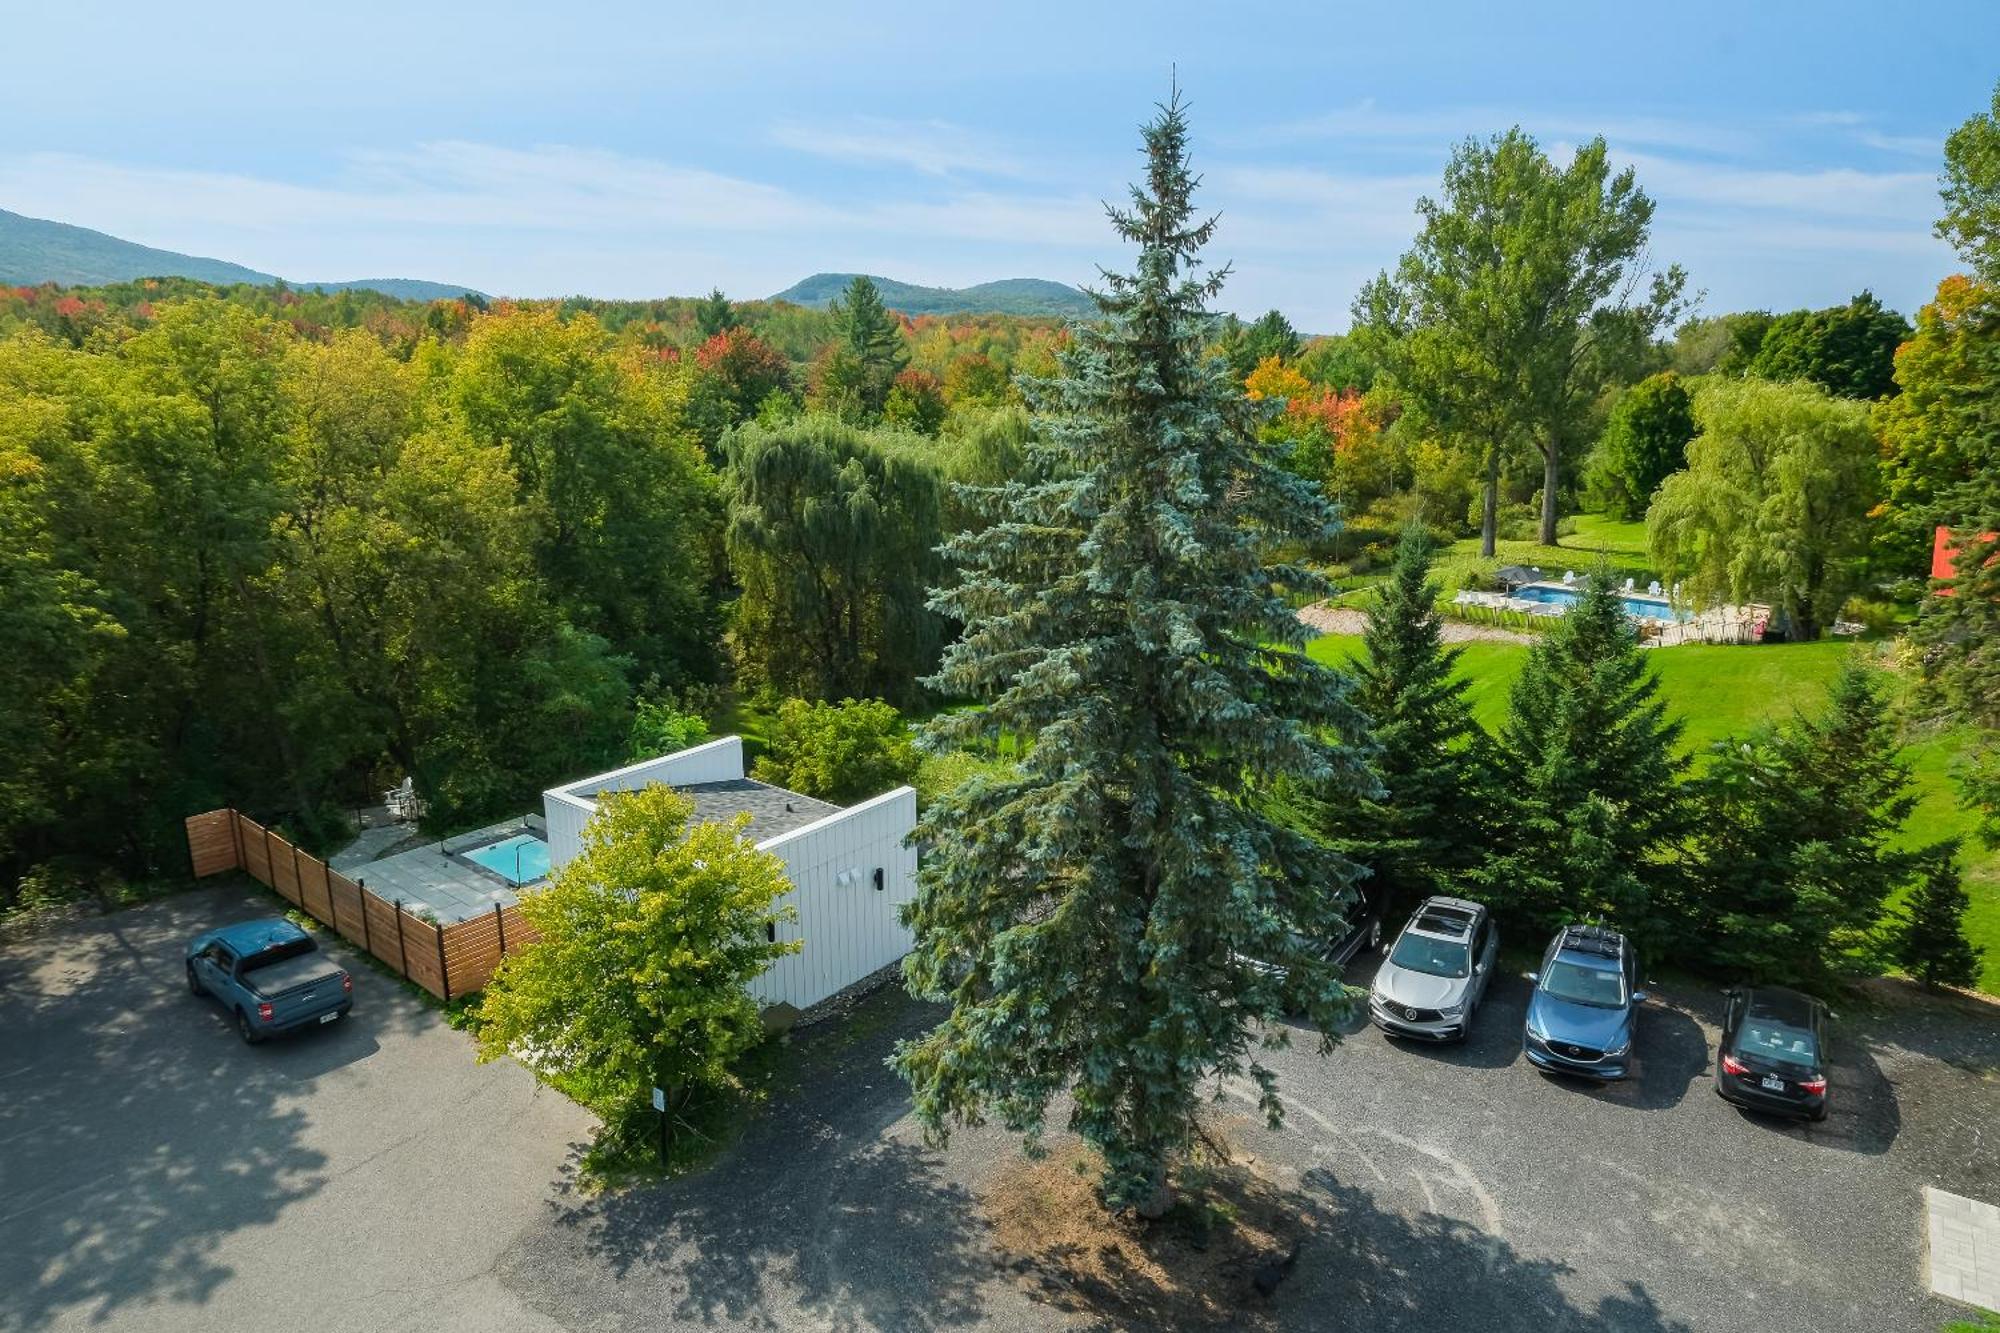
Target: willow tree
1093	914
1774	502
832	540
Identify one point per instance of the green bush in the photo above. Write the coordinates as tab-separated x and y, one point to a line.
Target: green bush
661	726
840	752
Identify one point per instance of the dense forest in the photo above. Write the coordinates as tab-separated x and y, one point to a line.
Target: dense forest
279	548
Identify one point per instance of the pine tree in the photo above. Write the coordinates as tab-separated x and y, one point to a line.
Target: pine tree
1930	941
1431	760
1092	916
874	339
1588	760
1796	858
713	314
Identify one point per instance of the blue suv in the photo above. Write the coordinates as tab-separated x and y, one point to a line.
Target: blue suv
1581	1014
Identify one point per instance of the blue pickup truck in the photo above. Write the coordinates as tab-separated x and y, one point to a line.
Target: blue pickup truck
270	976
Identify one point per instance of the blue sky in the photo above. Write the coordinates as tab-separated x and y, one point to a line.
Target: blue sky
639	150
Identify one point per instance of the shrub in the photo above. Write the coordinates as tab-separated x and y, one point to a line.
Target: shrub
840	752
660	726
636	980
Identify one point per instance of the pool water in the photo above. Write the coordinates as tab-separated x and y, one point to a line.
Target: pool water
1636	604
521	859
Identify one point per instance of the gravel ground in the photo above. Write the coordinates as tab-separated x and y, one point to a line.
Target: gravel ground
154	1174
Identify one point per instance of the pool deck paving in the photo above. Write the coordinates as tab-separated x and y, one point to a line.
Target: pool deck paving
1964	1248
431	881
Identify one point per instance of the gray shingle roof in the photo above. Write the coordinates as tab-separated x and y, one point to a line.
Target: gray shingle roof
772	810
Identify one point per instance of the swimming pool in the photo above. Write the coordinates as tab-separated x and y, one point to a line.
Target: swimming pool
521	859
1639	606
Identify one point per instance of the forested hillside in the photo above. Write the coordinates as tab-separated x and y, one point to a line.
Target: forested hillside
1008	296
34	251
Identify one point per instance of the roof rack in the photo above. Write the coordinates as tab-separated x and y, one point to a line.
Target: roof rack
1444	919
1599	940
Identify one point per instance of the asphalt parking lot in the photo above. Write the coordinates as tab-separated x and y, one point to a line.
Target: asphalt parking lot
155	1174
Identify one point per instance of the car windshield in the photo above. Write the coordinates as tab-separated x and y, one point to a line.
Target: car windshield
1422	953
1777	1041
1602	987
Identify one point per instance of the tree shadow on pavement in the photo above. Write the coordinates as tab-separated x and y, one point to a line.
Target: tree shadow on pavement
138	1131
827	1206
1373	1269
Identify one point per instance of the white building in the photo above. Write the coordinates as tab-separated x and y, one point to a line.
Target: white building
851	868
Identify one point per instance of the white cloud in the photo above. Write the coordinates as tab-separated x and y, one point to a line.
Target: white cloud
933	147
1366	122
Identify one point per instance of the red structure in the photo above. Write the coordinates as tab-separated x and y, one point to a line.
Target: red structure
1944	555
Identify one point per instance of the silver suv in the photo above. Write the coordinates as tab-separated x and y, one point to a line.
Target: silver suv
1436	971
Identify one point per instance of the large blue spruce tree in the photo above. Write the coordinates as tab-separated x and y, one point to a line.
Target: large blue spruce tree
1117	917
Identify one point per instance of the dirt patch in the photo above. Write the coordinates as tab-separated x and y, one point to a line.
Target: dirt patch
1215	1261
1346	620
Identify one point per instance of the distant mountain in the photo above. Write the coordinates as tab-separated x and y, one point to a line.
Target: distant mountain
1009	296
34	251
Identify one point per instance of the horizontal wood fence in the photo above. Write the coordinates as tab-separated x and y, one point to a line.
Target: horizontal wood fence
446	960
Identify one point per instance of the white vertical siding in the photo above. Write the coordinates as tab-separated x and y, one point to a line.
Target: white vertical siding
848	930
851	929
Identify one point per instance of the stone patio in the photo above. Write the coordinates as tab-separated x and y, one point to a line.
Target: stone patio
431	882
1964	1248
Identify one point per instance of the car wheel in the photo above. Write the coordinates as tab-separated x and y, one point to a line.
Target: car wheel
1818	1115
194	982
244	1030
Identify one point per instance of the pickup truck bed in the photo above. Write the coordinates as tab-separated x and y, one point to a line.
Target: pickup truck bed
289	974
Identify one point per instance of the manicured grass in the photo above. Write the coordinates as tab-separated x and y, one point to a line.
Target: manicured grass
1718	691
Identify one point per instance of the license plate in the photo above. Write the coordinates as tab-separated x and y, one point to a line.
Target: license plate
1774	1083
328	1018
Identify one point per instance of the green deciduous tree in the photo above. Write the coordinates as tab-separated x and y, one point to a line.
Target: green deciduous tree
661	726
1773	505
1719	344
1848	350
1795	855
644	946
1971	190
1091	916
1643	443
833	542
839	752
1591	804
1941	434
1519	303
1930	937
626	509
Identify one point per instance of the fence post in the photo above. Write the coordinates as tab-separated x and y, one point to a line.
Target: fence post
236	837
361	896
271	862
444	972
402	949
500	924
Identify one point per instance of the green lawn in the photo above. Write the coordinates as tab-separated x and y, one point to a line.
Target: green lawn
1621	545
1719	690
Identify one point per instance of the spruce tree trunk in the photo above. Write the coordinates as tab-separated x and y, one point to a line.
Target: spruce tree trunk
1489	522
1551	471
1157	1203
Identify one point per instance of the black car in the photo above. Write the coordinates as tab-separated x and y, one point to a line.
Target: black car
1772	1056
